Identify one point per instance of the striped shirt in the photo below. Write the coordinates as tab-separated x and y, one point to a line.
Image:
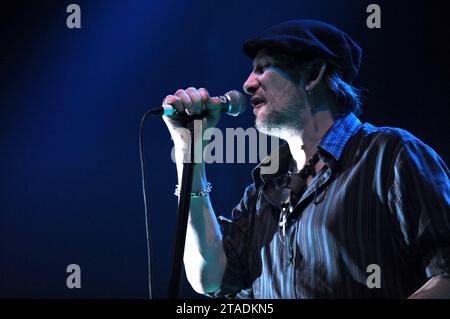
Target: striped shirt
374	223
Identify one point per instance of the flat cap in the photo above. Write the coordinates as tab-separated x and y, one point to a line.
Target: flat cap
309	39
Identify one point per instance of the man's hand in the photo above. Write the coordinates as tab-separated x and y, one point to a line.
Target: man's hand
438	287
187	103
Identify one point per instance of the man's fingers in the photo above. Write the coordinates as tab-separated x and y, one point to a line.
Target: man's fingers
186	100
211	103
196	100
193	101
175	101
204	95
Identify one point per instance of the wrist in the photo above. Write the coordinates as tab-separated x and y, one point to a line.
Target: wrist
181	152
199	180
202	192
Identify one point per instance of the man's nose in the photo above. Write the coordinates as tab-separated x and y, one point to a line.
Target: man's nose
251	84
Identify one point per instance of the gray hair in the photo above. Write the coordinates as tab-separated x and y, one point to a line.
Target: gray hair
348	97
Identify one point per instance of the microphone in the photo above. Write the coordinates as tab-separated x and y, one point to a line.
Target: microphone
233	103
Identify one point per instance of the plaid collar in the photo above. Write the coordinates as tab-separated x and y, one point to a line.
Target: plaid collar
335	139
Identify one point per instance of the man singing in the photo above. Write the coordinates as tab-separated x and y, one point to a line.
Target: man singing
347	200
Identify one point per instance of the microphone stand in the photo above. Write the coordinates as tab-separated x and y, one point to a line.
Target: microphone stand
182	216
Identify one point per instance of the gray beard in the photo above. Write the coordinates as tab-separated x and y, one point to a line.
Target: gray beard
282	123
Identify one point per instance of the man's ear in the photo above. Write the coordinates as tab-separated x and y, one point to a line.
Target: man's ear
316	72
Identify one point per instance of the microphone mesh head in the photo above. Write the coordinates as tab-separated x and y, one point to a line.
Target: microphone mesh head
238	102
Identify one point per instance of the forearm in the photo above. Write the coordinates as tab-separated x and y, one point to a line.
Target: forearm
204	258
438	287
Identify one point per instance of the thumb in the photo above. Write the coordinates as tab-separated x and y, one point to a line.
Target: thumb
211	103
214	104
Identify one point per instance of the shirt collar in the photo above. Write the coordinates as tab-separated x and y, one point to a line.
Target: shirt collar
333	143
337	136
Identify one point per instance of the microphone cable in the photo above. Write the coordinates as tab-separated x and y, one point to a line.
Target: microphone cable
146	208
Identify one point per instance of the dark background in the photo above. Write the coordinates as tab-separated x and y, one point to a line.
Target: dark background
71	102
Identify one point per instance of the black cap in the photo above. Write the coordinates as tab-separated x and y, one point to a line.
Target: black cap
310	39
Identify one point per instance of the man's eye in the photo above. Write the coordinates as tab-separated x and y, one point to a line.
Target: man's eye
265	66
262	67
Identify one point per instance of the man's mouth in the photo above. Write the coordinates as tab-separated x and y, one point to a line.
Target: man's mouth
257	102
257	108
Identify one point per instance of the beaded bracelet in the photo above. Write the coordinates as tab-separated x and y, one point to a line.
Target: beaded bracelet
202	193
